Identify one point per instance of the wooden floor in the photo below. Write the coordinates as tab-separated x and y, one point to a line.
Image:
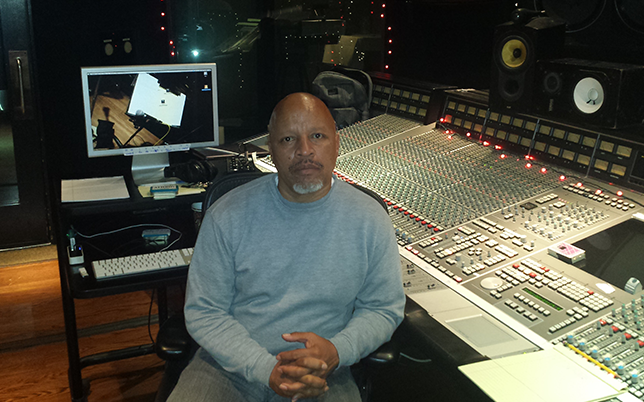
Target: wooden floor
33	353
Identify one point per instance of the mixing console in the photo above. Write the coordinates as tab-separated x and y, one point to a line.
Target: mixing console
532	246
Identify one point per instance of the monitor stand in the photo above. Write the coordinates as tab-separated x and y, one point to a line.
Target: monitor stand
148	168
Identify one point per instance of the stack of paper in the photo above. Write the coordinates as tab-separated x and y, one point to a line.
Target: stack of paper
96	189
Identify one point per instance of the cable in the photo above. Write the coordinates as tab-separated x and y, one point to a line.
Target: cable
414	359
132	227
164	135
126	228
99	249
150	317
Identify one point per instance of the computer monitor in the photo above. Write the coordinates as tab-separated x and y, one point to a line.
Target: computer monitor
148	111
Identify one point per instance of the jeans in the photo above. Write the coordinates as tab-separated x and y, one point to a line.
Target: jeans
204	380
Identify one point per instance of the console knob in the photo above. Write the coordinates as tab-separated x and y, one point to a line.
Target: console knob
491	283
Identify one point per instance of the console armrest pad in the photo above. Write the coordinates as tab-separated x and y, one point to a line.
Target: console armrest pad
423	330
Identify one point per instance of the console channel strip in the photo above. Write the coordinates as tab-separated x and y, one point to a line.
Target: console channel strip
370	131
435	181
614	342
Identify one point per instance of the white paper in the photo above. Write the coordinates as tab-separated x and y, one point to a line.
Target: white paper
150	98
95	189
555	374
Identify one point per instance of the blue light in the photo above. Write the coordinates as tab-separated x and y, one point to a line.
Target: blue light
195	53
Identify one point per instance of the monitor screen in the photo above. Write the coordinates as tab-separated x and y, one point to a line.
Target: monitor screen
148	111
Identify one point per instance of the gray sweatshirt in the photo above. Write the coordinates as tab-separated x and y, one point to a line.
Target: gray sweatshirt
264	266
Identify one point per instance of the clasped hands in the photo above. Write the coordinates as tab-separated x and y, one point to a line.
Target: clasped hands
301	373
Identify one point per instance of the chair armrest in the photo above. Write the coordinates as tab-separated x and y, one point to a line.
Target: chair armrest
385	356
173	341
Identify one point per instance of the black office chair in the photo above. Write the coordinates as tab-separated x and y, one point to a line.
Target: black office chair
176	347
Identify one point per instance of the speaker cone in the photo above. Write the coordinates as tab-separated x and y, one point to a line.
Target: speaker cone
588	95
631	12
552	83
578	14
514	53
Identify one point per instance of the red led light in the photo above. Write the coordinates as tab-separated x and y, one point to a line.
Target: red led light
528	165
163	14
442	119
497	147
579	184
503	156
382	16
387	66
163	28
390	40
598	192
468	134
171	53
544	170
486	143
620	193
383	5
449	137
388	28
389	52
562	178
172	42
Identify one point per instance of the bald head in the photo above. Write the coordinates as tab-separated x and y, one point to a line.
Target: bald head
297	104
304	146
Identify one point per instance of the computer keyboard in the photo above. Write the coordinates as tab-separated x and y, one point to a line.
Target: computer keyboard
143	263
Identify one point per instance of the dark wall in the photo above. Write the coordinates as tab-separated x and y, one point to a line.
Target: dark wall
605	30
447	42
72	34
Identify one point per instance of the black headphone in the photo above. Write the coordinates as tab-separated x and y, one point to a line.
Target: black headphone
192	172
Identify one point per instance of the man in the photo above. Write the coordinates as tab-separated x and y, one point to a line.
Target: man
295	276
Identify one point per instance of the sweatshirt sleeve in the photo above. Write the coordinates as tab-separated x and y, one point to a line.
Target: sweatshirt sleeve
209	296
379	306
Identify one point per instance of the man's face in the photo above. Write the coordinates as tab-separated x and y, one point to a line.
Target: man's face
304	147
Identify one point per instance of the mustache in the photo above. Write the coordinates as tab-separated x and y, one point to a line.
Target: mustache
305	162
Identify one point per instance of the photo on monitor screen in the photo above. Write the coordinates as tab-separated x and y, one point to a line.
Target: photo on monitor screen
143	109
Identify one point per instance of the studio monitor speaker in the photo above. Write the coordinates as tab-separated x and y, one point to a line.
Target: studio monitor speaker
517	47
596	93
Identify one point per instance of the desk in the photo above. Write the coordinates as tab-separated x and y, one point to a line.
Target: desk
97	217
